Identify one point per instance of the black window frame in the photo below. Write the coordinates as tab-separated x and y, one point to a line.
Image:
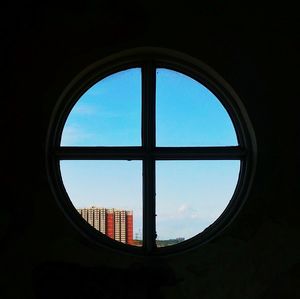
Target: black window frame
149	59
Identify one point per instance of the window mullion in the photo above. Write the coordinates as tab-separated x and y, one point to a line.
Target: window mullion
148	144
99	153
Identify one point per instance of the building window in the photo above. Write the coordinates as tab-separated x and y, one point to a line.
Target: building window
150	151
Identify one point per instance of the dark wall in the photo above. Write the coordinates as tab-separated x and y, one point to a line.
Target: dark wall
254	48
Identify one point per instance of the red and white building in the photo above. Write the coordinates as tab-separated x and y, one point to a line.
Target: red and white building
114	223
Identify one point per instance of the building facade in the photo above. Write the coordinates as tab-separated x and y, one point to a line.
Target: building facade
114	223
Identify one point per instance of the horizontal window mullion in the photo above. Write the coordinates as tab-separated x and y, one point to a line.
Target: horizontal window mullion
159	153
199	153
100	153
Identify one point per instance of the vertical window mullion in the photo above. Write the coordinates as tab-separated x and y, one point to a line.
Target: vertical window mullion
148	143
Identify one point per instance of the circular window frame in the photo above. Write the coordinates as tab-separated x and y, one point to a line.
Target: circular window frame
149	59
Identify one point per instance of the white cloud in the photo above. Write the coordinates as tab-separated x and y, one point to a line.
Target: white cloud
186	211
84	109
75	135
182	209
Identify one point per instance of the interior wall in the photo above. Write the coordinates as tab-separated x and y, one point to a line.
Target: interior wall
255	49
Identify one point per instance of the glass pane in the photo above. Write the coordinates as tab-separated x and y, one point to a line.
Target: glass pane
191	195
107	114
108	195
188	114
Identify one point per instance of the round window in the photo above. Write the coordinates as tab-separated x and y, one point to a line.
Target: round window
150	151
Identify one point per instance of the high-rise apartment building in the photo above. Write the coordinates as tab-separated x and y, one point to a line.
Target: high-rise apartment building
110	223
129	227
116	224
103	220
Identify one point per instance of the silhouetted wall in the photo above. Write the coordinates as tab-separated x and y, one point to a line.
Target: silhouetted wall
254	48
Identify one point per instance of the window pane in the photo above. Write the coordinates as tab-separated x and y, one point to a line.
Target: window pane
188	114
108	194
107	114
191	195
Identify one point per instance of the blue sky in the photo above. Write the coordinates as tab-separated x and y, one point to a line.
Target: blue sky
190	195
109	113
